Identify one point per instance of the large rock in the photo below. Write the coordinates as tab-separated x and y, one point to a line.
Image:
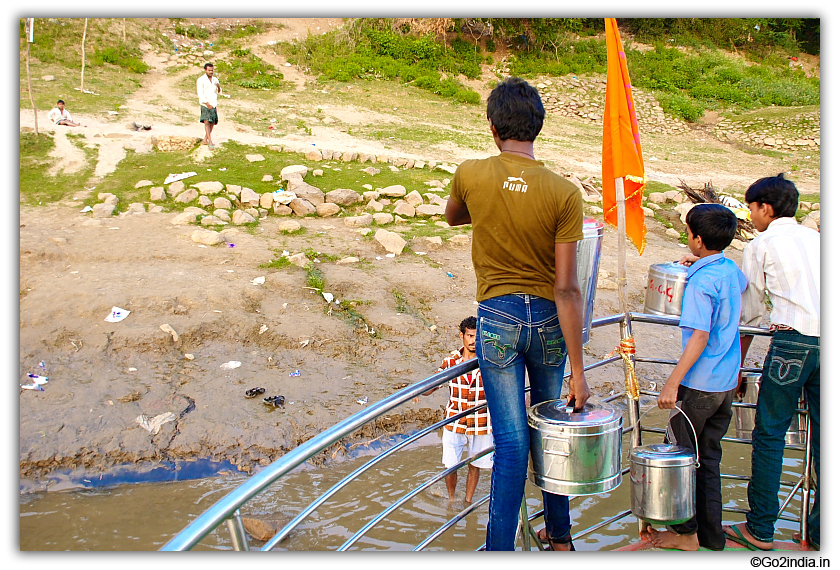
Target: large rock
391	241
414	198
108	198
254	157
207	237
383	218
223	215
144	183
103	210
204	201
157	194
310	193
314	155
358	221
810	223
298	170
187	196
176	187
288	226
683	209
427	210
395	191
234	189
302	207
429	242
170	143
370	195
343	197
282	209
404	209
183	218
212	221
327	209
460	239
240	218
658	197
374	206
212	187
249	197
299	259
137	208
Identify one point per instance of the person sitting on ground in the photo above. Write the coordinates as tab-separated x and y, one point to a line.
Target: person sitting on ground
705	379
782	263
472	433
61	116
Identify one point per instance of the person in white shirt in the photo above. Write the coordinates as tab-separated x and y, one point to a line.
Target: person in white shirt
208	88
783	262
61	116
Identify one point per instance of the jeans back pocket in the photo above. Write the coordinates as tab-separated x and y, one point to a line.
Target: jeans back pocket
784	364
498	341
553	344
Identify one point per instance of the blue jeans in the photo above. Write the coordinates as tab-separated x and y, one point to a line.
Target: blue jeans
518	332
792	363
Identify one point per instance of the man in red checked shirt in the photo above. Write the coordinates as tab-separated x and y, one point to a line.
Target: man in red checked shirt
471	433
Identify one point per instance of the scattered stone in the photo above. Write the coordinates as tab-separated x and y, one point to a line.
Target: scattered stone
443	225
103	210
358	221
460	239
809	222
187	196
108	198
207	237
176	187
445	167
184	218
371	170
195	210
240	217
414	198
288	226
212	221
157	194
427	210
222	203
395	191
383	218
653	206
209	187
343	197
391	241
302	207
312	194
48	78
204	201
398	219
156	209
805	206
327	209
648	212
254	157
370	195
136	208
683	209
223	215
815	206
317	172
144	183
267	178
658	197
349	156
405	209
385	201
282	209
374	206
314	154
234	189
299	259
595	210
671	232
248	196
347	260
298	170
266	200
431	242
365	231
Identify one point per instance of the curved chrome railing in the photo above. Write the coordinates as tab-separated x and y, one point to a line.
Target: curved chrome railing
226	510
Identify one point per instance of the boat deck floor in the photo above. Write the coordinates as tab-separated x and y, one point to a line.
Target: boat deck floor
789	545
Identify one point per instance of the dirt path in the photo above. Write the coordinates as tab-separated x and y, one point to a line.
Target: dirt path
103	376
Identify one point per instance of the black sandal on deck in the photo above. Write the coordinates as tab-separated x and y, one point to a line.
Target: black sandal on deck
254	392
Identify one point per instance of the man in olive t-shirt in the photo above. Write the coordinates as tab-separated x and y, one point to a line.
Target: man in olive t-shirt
526	222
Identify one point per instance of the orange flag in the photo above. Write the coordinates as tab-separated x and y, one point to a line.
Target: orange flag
622	148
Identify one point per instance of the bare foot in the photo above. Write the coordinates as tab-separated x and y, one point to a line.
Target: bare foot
668	539
647	532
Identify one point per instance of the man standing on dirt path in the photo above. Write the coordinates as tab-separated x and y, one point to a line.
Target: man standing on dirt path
471	433
208	88
526	224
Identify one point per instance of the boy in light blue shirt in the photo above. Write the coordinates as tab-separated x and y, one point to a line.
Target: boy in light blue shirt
705	379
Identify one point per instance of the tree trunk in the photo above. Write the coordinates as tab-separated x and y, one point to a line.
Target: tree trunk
29	81
84	38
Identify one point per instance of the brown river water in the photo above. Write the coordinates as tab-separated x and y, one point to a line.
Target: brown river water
144	516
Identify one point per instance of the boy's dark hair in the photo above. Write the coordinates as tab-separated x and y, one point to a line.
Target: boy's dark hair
714	223
59	101
208	64
776	191
468	323
516	110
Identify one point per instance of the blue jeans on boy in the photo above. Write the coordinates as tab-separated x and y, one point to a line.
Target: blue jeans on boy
515	332
792	363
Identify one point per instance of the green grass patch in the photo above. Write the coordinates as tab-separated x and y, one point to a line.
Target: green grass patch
315	278
406	307
279	262
656	186
249	71
36	184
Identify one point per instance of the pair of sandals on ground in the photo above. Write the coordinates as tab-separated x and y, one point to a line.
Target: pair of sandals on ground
270	400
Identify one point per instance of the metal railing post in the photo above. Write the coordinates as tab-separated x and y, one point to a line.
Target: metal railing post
806	485
237	532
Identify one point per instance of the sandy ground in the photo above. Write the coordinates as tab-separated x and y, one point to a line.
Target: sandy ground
103	375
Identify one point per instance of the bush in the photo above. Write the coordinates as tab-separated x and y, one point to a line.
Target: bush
681	106
120	56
